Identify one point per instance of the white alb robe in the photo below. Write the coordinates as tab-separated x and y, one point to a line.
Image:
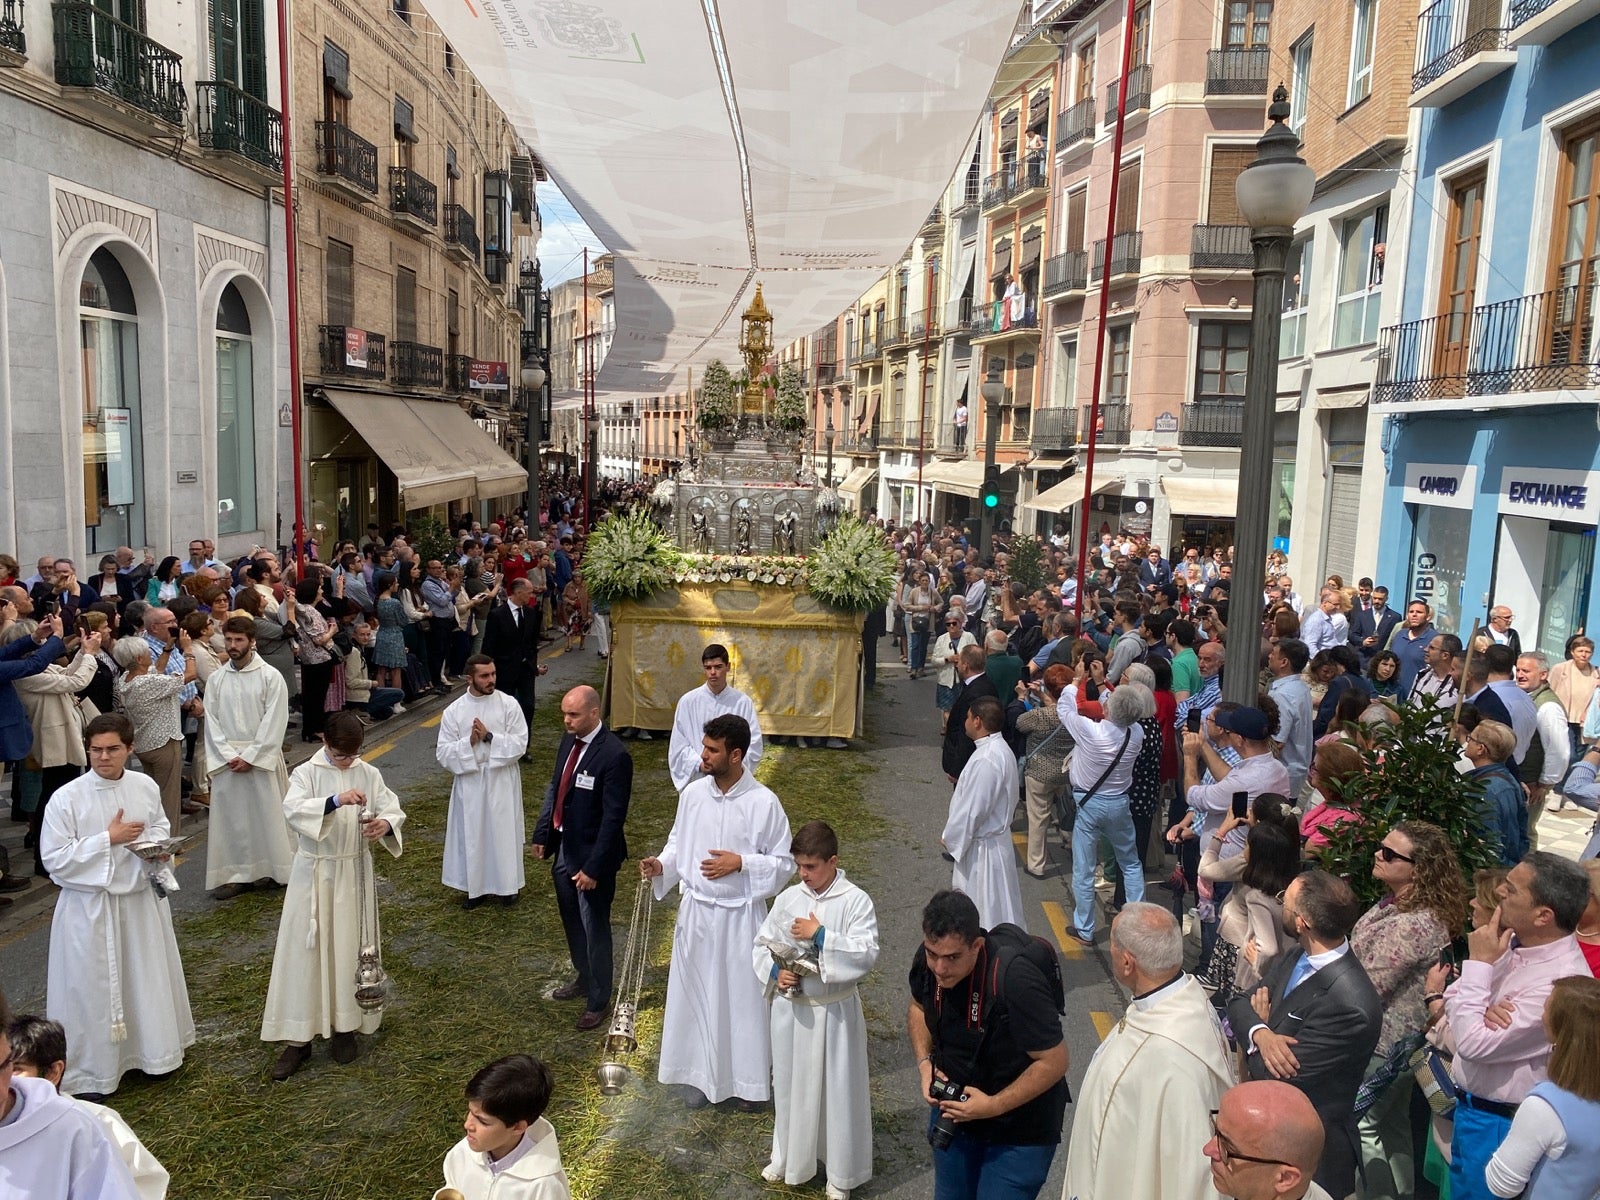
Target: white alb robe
1144	1110
313	988
247	712
715	1035
149	1176
821	1103
52	1147
978	833
115	981
689	729
486	826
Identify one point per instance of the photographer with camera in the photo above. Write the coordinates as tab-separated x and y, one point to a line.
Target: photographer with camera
985	1023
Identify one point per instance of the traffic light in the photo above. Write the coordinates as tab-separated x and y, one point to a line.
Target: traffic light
990	495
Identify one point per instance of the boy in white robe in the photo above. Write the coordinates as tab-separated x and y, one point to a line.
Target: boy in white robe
510	1151
115	981
247	712
977	834
820	1098
727	852
40	1046
713	698
313	991
482	736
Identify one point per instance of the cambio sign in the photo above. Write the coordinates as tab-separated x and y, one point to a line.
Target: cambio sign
1551	495
1441	484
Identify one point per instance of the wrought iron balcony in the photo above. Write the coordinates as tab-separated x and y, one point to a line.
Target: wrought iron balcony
869	350
1220	248
1014	181
1065	273
1212	422
95	50
896	334
1541	342
1540	22
1115	426
235	122
1138	94
1452	32
352	353
1054	429
935	219
827	372
1238	71
997	188
461	231
1075	124
416	365
347	158
458	373
997	321
12	36
413	196
971	194
1125	252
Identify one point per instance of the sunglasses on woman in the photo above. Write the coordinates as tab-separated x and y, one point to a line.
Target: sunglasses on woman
1389	854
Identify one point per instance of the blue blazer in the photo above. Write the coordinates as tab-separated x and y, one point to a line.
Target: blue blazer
18	660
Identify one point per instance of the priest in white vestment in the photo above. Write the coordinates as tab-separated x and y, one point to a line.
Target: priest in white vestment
978	832
331	897
713	698
247	712
115	981
482	736
49	1146
821	1102
1147	1099
727	853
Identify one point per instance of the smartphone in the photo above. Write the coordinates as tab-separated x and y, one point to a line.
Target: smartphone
1447	958
1191	720
1241	804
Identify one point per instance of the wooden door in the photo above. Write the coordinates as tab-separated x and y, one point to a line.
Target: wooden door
1458	288
1569	312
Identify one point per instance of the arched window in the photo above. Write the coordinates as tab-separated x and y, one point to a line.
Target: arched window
236	417
113	450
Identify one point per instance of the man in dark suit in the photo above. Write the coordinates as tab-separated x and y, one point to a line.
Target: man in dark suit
581	828
1154	571
972	681
1371	620
1315	1020
511	638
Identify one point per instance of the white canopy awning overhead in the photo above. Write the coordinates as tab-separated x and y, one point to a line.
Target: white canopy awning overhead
713	145
963	477
1071	491
1192	496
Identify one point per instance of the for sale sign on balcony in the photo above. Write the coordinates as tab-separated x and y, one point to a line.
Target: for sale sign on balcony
489	377
355	347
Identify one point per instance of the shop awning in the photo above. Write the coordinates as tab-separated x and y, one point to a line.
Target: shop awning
436	451
1195	497
856	481
961	478
1049	463
1071	491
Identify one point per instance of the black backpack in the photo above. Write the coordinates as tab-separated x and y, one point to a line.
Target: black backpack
1011	942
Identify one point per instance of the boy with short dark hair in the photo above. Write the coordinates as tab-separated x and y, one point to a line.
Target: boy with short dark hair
819	1036
509	1146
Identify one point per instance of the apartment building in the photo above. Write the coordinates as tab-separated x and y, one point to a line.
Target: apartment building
142	292
413	190
1489	384
1349	71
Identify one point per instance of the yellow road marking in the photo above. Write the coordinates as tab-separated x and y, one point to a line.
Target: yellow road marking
1057	916
377	751
1103	1024
432	721
1021	839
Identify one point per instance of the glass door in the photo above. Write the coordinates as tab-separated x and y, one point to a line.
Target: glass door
1568	568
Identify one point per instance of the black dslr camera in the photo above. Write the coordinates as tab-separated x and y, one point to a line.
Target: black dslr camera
944	1129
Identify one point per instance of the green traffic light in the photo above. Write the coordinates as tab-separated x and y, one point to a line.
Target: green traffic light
991	500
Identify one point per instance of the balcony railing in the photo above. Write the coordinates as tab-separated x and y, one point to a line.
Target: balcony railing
1238	71
235	122
999	318
347	157
1014	180
353	353
1125	251
458	373
1138	94
1213	422
1067	272
416	365
1534	343
1449	33
1075	124
971	195
935	219
1220	248
460	229
1054	429
95	50
869	350
12	35
411	194
1115	427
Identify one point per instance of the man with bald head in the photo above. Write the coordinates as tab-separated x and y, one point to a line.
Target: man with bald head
1266	1142
581	830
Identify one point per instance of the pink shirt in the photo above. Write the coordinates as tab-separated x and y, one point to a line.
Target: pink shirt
1319	818
1505	1064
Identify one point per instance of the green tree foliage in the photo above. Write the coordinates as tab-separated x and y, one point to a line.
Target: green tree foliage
431	538
718	404
1027	563
790	409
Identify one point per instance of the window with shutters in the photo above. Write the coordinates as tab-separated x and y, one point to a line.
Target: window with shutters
405	132
1222	206
452	322
335	85
1066	389
341	292
1221	358
405	305
452	172
1083	85
1575	253
1077	219
1141	37
238	45
1249	23
1119	360
1128	196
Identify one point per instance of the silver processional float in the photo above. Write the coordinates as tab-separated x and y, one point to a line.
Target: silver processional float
621	1041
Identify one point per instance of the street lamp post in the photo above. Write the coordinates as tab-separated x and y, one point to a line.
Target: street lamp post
533	378
829	434
1274	192
992	391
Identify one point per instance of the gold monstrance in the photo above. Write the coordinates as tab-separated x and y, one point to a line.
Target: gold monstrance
755	344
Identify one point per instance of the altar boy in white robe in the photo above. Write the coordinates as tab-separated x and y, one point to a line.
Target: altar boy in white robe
977	834
312	991
820	1096
712	698
115	981
247	712
481	739
727	852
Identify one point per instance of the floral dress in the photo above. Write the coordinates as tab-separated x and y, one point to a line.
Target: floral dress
390	648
